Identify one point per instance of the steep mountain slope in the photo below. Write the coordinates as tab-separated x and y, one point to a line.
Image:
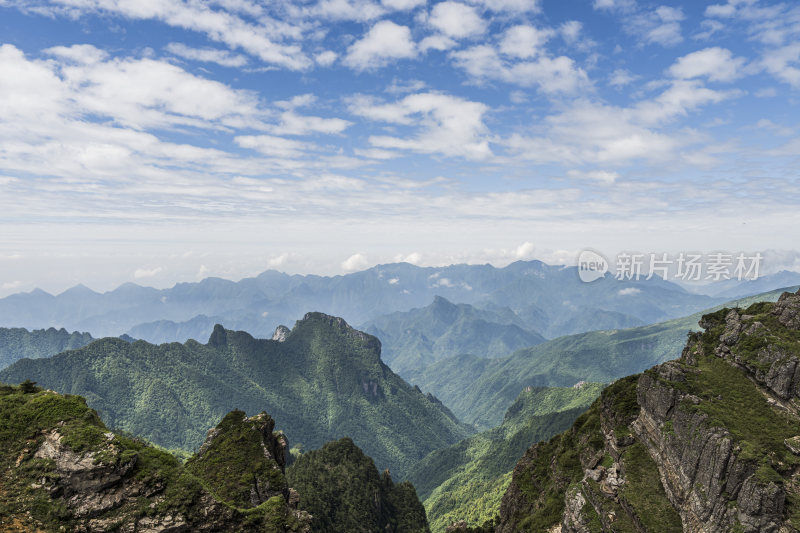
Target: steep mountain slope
467	480
478	390
415	339
550	299
720	426
323	381
62	470
341	488
16	343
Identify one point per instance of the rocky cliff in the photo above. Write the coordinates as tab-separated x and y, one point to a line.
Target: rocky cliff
707	443
63	470
342	489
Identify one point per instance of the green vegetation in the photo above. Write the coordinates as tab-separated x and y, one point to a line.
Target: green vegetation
466	481
18	343
726	394
34	485
730	400
343	491
414	339
479	390
644	492
232	464
326	381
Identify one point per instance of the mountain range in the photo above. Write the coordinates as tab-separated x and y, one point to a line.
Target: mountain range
321	381
549	300
478	390
17	343
417	338
709	442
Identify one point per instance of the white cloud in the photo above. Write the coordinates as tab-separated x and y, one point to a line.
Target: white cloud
273	146
570	30
221	26
394	281
621	77
456	20
357	10
293	124
403	5
614	4
11	285
511	6
717	64
524	250
384	42
630	291
144	93
207	55
436	42
355	262
414	258
524	41
147	272
784	64
599	134
551	75
447	124
602	176
280	260
79	53
660	27
326	58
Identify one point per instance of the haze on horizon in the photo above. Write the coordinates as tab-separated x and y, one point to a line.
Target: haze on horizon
171	141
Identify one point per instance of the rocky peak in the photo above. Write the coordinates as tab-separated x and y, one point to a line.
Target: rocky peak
63	470
339	325
708	443
281	333
787	309
219	337
254	458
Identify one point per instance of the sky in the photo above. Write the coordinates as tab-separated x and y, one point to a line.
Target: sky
160	141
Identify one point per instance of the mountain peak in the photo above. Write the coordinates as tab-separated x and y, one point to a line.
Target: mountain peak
219	337
442	301
281	333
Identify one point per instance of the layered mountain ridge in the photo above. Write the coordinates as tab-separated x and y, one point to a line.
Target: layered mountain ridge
321	381
707	443
63	470
549	299
417	338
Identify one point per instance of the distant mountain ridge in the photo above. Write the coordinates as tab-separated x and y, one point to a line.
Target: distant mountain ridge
478	390
17	343
549	299
322	381
419	337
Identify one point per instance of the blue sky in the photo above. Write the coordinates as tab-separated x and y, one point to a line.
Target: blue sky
165	140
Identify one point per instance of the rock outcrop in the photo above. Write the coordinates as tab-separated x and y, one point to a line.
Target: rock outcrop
63	470
708	443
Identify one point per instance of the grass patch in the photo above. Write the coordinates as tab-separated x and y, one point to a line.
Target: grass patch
644	492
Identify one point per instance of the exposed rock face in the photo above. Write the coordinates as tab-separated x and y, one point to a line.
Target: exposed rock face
62	470
281	333
242	461
709	443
